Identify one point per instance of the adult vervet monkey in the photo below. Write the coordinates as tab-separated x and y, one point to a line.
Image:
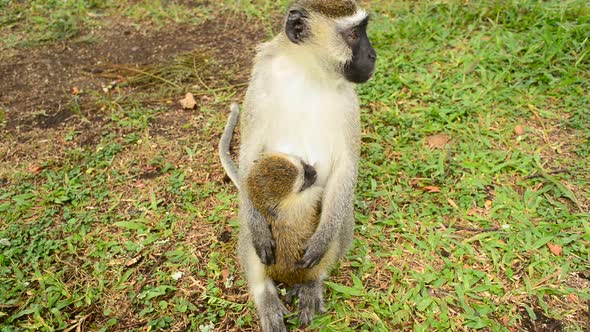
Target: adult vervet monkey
301	101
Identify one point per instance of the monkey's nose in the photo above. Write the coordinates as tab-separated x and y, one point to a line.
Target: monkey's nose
373	55
309	176
309	172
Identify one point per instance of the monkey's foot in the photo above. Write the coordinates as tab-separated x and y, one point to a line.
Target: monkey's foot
293	292
272	316
311	301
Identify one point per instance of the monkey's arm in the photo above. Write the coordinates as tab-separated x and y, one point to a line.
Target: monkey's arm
261	235
224	154
262	239
337	213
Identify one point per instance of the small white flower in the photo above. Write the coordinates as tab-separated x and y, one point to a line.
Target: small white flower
177	275
207	328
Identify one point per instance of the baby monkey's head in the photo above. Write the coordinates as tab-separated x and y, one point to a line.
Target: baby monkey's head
274	177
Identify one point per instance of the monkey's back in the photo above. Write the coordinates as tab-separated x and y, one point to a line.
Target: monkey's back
291	229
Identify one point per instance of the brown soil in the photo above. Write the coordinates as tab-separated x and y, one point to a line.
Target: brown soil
36	97
542	323
36	90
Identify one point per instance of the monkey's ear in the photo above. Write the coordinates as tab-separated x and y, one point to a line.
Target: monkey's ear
296	26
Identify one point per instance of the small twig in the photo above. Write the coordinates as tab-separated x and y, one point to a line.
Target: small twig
196	93
470	229
147	275
148	74
472	67
196	70
158	262
109	75
229	87
566	192
78	324
132	325
541	175
16	63
536	114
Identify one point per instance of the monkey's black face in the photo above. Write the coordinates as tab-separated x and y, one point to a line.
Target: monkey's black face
309	176
362	65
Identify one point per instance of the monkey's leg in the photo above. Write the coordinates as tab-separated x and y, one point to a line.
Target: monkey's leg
268	304
311	300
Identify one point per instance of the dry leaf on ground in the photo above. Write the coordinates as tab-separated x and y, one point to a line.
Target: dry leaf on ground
133	261
437	141
224	275
555	248
188	102
431	189
572	297
36	169
414	183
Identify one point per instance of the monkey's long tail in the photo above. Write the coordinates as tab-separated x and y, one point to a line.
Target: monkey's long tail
224	154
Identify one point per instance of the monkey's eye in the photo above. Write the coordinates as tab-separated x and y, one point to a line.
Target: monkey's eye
354	34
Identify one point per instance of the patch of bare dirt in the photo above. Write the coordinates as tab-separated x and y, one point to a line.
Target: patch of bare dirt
541	323
37	86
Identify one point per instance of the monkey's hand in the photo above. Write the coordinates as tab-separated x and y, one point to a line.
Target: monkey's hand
262	239
265	248
314	252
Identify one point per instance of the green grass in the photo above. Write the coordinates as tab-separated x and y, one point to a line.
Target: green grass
47	21
38	22
128	234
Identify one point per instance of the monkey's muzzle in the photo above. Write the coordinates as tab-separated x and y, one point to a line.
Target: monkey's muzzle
309	176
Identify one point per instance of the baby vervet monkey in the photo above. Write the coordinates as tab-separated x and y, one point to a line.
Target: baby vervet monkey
282	188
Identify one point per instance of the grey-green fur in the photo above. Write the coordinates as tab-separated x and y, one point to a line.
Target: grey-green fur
224	143
330	8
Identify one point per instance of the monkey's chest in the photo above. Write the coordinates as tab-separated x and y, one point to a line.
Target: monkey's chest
313	139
